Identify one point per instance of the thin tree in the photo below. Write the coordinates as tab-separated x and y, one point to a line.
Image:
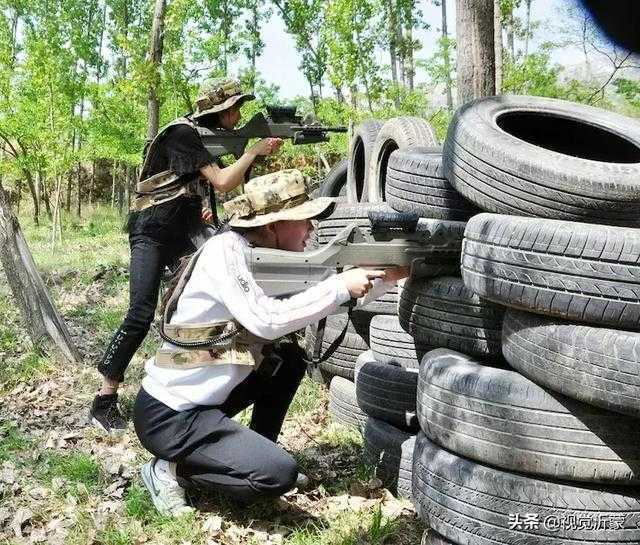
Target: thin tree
497	21
155	58
43	322
447	56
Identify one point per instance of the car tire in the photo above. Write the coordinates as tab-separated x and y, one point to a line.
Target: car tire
548	158
475	504
501	418
576	271
396	133
595	365
390	451
360	146
388	393
343	406
391	344
416	185
443	313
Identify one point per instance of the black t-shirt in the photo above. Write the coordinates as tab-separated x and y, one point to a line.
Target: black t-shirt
179	150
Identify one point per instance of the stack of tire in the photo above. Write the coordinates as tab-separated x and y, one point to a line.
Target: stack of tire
546	451
405	167
342	338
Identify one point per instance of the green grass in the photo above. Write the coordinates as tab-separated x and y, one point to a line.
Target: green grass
11	442
138	504
80	471
348	528
8	340
309	397
94	242
29	367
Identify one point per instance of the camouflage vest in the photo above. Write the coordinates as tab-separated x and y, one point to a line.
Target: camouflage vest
163	186
234	350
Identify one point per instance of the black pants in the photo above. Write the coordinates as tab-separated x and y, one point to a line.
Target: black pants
158	237
214	452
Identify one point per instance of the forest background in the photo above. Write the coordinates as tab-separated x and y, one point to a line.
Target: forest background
77	77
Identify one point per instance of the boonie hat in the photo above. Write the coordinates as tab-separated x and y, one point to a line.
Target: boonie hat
278	196
220	95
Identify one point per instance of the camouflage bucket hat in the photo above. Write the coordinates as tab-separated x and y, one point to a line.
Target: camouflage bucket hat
219	96
275	197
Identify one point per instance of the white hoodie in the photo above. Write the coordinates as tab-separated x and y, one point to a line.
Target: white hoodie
221	288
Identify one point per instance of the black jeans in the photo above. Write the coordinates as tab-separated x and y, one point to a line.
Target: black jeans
214	452
158	237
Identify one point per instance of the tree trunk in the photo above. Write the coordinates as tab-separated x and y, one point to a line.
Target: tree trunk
409	49
510	41
392	21
476	65
43	322
447	57
114	169
498	45
127	186
527	28
400	50
155	58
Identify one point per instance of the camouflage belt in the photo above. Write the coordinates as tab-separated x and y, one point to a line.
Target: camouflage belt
160	188
198	332
236	354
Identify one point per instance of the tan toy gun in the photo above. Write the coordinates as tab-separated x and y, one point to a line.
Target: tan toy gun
394	239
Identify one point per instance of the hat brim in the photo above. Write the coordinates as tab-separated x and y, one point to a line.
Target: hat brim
244	97
305	211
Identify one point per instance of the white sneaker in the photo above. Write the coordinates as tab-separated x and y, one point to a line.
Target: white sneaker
167	496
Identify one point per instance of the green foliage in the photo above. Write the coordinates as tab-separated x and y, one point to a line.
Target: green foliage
28	367
80	471
11	441
138	504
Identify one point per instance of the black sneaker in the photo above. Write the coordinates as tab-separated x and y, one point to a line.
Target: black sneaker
105	414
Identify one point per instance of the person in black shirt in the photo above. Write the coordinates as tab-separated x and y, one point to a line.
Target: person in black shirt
167	208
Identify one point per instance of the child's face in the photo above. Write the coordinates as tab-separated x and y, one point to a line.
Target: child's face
292	234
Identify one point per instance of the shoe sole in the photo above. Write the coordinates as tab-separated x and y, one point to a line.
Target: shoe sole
113	431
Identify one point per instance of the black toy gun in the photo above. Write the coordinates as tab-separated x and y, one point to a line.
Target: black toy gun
394	239
280	122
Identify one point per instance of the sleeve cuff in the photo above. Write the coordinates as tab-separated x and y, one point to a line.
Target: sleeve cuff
342	293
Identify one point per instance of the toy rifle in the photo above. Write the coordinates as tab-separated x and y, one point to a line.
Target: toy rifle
394	239
280	122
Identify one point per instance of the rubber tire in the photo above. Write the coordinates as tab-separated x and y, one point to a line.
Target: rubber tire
416	185
502	173
343	406
443	313
360	146
576	271
388	393
390	451
397	133
335	182
596	365
341	347
499	417
470	503
392	345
